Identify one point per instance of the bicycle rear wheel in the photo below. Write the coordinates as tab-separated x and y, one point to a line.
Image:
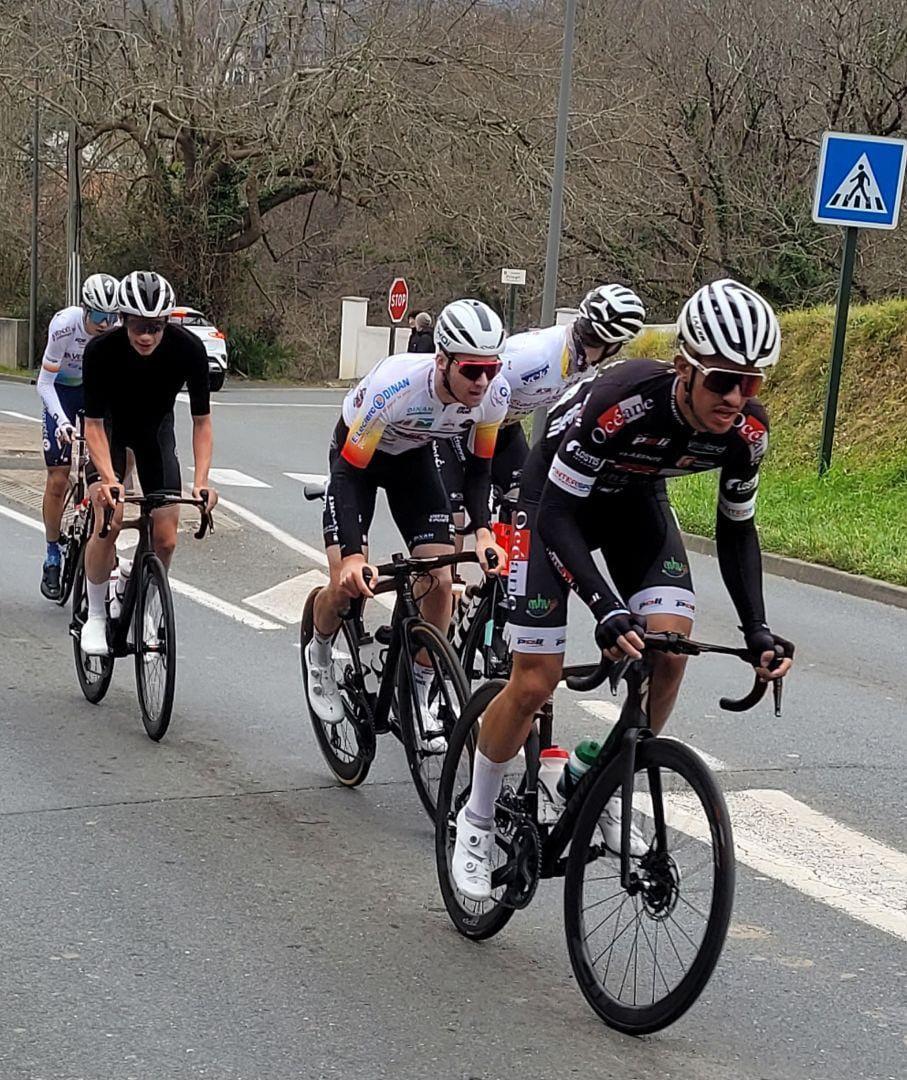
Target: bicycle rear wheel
447	695
94	672
347	747
154	633
474	919
642	955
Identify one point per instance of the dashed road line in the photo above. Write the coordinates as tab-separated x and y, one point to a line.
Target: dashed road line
234	478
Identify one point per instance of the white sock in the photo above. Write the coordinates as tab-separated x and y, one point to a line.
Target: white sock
321	648
423	674
487	777
97	598
123	579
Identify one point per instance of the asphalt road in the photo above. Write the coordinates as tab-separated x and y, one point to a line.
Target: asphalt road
215	906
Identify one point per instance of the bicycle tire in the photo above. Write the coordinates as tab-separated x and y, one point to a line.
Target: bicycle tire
155	696
69	552
425	764
349	766
94	672
470	921
664	755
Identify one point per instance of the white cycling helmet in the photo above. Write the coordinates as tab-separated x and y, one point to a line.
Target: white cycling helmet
470	327
99	292
145	293
613	313
729	321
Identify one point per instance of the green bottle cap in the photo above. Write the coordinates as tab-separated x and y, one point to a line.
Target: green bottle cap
588	750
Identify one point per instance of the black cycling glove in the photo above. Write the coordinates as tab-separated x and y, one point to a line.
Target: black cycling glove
616	624
760	639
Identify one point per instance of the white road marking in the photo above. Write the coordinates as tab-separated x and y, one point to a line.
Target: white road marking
223	607
21	416
285	600
234	478
609	712
281	535
307	477
785	839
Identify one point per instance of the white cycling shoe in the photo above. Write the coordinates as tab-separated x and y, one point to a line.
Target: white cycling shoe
93	638
471	865
324	694
434	740
610	825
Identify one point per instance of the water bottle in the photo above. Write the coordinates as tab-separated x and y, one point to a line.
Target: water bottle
578	763
552	763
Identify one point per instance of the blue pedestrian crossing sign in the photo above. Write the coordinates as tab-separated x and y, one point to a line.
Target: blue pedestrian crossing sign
860	180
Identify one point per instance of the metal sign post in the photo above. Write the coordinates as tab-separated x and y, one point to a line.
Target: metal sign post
513	278
858	185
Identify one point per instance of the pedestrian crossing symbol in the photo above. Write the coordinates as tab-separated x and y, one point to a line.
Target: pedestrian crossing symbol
860	180
859	189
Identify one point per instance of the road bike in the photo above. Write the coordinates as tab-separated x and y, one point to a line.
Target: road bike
374	672
145	626
481	613
75	525
644	931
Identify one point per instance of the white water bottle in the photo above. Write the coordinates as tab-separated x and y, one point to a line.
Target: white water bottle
551	767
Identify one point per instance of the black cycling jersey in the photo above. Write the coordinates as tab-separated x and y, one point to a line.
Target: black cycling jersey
621	429
136	393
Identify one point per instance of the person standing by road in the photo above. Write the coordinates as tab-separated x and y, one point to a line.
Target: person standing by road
422	338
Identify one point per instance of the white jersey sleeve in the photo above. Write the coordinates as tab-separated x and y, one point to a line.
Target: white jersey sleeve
62	362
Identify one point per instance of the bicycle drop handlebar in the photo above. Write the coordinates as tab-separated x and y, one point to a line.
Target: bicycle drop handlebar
157	500
585	677
401	567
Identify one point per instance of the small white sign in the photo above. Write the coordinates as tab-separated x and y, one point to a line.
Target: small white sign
513	277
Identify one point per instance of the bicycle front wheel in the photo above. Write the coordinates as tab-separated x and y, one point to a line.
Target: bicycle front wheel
643	954
427	718
94	672
348	747
154	633
71	543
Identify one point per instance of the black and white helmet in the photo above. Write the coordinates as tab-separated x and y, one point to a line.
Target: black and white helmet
613	313
99	292
145	293
729	321
471	327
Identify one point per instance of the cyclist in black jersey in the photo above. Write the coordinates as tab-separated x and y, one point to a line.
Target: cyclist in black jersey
596	481
131	377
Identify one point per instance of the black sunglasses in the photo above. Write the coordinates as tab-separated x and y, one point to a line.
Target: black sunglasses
723	381
147	326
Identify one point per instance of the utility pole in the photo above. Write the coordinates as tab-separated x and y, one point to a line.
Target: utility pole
35	192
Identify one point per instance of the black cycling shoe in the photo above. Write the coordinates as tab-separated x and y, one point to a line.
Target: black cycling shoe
50	581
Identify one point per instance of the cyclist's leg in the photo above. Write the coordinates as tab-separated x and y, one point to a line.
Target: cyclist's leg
158	469
450	459
100	555
58	460
537	635
510	452
421	511
331	601
648	563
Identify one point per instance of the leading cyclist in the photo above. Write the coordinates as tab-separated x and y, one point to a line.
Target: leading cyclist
597	481
60	388
132	376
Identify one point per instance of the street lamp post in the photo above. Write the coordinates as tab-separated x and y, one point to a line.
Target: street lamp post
556	210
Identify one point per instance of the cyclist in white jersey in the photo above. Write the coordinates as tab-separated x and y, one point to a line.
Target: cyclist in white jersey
539	366
60	389
384	439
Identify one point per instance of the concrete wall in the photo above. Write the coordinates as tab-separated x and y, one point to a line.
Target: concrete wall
362	345
13	343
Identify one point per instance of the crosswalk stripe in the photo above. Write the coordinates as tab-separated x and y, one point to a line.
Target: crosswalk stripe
234	478
285	600
307	477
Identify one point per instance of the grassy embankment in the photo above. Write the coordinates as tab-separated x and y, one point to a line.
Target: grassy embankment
855	517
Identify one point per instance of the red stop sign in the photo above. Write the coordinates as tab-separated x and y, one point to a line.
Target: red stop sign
398	299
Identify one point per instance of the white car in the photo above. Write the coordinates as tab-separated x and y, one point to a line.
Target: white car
214	340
